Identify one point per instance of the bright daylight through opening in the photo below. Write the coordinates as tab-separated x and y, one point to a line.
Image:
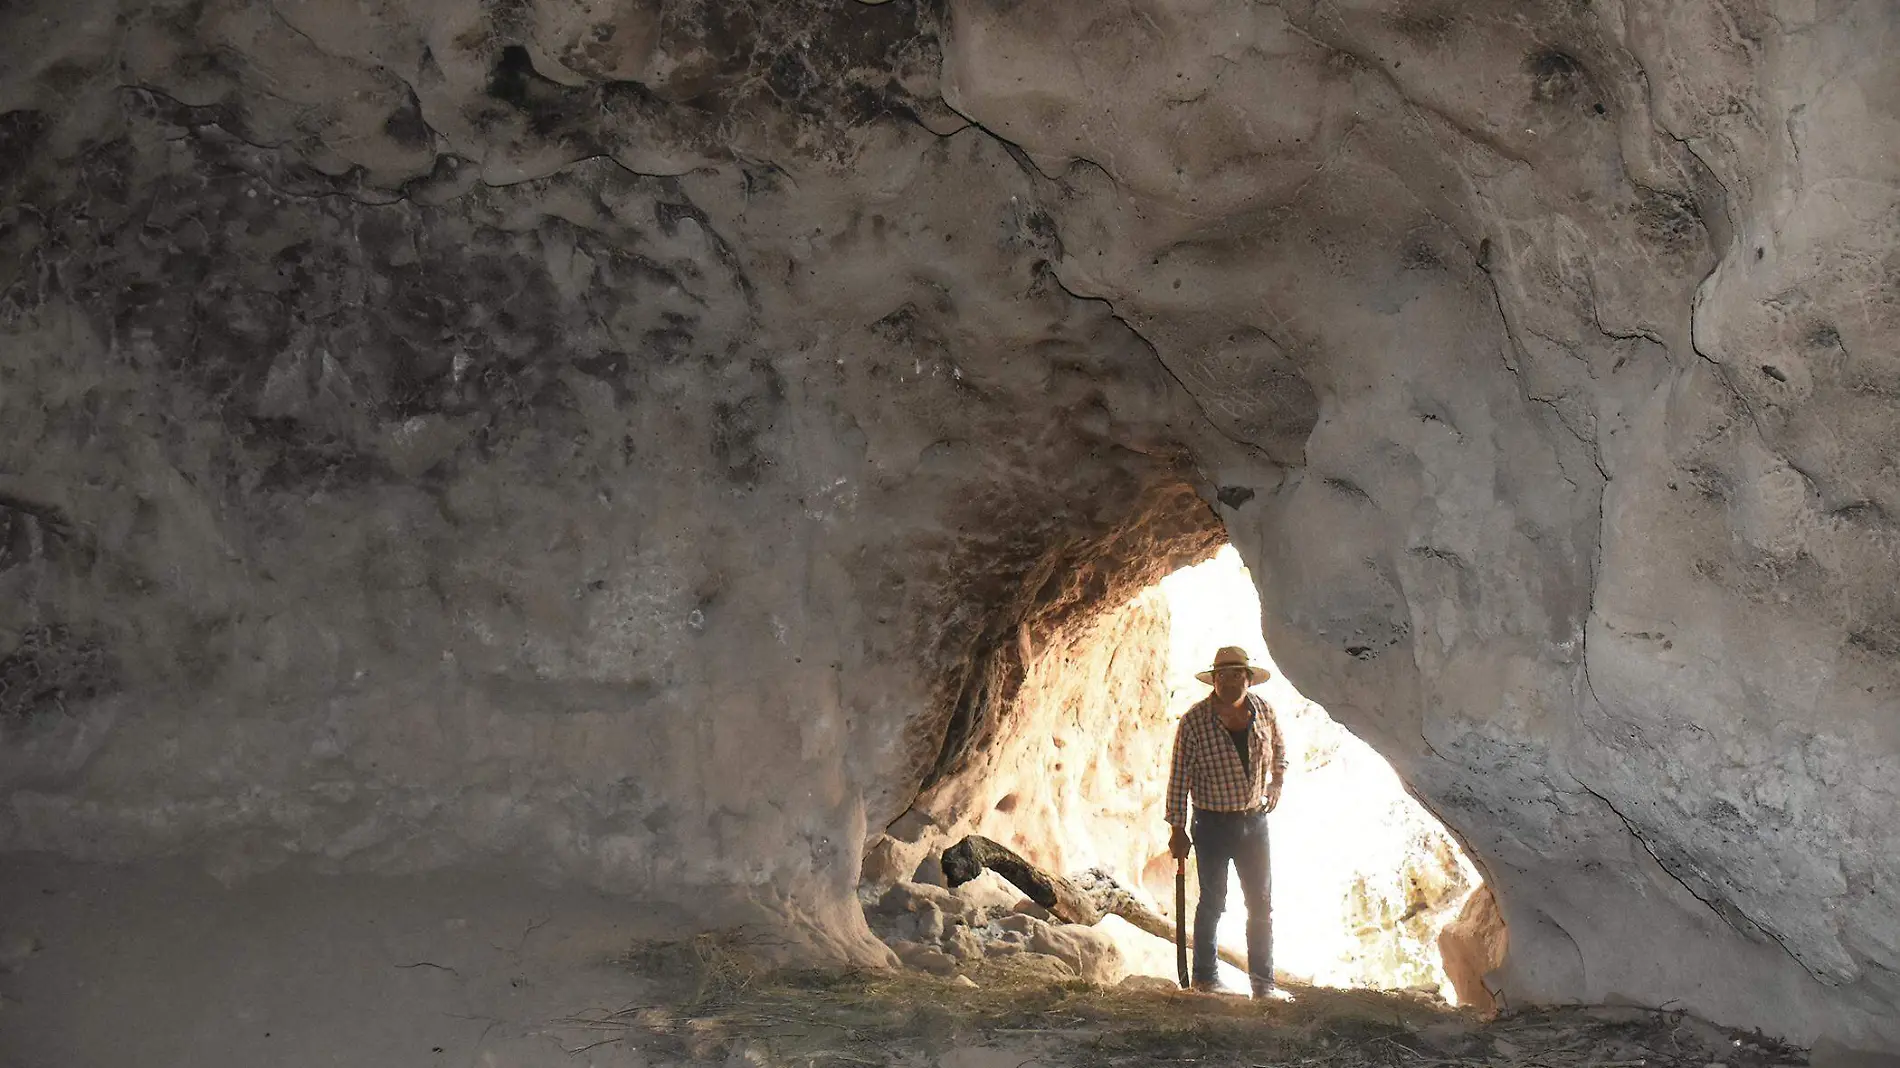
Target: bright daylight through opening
1068	772
1364	878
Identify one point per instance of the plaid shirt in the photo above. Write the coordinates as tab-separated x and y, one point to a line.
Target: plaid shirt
1206	764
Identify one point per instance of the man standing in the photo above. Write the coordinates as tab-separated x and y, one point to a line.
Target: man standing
1229	757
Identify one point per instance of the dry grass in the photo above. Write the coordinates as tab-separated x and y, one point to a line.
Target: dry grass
711	1000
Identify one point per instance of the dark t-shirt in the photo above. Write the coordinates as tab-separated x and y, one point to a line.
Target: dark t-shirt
1242	739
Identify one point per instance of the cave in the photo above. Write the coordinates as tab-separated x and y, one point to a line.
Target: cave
484	484
1072	774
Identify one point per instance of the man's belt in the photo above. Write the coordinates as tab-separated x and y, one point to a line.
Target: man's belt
1224	813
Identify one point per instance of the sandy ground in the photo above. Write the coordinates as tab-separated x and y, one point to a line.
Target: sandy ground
162	966
711	1007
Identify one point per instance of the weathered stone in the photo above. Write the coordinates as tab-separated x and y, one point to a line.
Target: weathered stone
963	944
989	893
1472	946
1033	967
642	445
1092	953
1022	924
930	924
925	958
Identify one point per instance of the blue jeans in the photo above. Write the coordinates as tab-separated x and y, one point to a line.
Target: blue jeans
1220	839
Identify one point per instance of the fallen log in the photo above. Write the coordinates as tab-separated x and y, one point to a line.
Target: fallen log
1064	899
1084	899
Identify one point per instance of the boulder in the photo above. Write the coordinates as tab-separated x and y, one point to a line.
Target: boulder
963	943
1031	967
1092	953
989	893
1473	945
925	958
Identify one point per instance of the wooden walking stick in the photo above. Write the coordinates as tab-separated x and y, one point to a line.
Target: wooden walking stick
1180	919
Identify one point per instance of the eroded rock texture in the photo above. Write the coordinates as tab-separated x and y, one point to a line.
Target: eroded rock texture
631	441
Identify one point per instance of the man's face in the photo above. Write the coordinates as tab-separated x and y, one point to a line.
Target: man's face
1230	683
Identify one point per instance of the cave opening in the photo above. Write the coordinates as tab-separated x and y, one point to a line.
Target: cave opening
1365	878
1071	774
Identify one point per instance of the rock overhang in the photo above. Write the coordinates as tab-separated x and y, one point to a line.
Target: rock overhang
569	352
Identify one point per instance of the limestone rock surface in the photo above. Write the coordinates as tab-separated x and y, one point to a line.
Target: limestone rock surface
642	445
1473	945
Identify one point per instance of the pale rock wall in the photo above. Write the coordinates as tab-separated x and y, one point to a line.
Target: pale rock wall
1472	946
417	453
1075	775
1596	305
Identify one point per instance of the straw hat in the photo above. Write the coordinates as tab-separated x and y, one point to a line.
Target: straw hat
1235	656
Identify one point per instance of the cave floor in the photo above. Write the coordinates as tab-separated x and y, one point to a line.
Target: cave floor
715	1009
161	965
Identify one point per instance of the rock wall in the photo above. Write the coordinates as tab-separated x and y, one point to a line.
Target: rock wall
390	489
1074	775
630	442
1489	316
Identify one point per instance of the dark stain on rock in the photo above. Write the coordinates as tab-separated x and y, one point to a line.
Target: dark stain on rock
823	62
1430	29
1419	255
620	267
737	426
900	327
1036	229
508	18
1347	487
299	457
50	668
405	125
791	78
1669	219
64	77
870	37
583	118
21	133
668	344
871	103
415	378
1707	481
740	425
669	213
31	531
1432	552
1235	496
514	81
1883	642
761	178
1557	77
300	351
1862	513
